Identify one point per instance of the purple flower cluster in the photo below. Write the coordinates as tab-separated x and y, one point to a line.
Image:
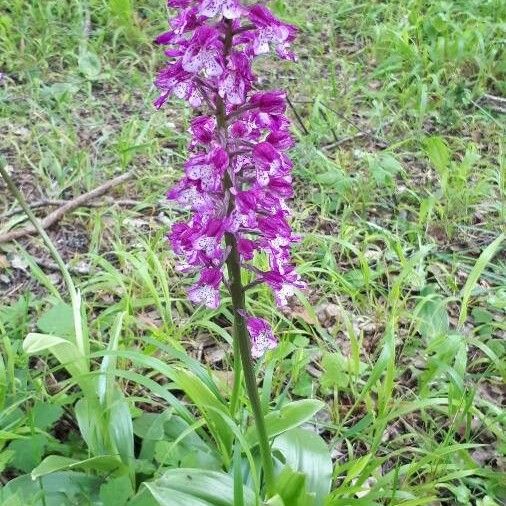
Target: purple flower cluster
238	176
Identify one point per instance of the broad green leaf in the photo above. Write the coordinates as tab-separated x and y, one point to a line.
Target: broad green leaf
60	90
335	374
120	427
204	398
274	501
44	414
107	367
384	167
5	458
28	452
498	299
117	491
54	463
143	498
288	417
433	315
168	454
4	383
180	444
291	487
335	178
13	500
151	425
89	65
37	343
237	472
90	419
483	260
58	489
57	321
65	352
438	153
196	487
486	501
306	452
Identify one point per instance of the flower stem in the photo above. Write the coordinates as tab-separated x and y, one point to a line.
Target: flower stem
242	345
241	337
236	387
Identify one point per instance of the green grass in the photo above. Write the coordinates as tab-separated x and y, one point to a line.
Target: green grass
401	203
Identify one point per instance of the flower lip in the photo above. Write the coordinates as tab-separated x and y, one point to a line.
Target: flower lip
206	290
230	9
261	335
271	102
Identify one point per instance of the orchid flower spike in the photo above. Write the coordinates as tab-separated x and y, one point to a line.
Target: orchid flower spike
237	178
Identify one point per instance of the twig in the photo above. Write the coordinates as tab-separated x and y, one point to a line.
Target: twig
345	118
494	98
34	205
497	104
297	116
51	266
326	119
367	133
361	131
107	201
69	206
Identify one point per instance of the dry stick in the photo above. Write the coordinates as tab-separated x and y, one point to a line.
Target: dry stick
345	118
297	116
368	133
34	205
361	132
326	119
58	214
494	98
497	104
107	201
50	266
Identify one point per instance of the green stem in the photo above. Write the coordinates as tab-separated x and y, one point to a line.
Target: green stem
74	296
241	337
236	387
242	345
222	126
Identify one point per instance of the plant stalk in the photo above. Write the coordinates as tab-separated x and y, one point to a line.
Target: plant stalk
242	345
236	387
241	337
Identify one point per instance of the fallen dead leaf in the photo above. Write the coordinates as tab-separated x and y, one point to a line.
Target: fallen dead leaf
150	320
18	262
304	315
4	263
225	381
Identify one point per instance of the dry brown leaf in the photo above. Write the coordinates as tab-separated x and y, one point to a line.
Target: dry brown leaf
4	263
304	315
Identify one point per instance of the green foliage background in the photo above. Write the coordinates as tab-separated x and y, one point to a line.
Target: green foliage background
401	183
